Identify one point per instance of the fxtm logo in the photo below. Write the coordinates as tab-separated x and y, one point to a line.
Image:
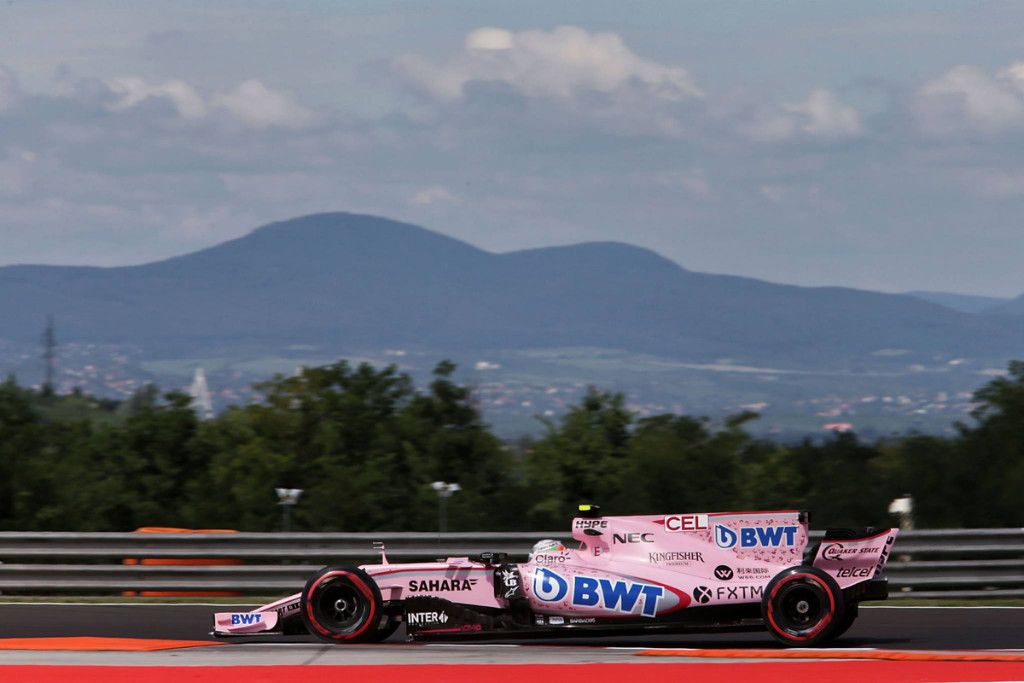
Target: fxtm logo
755	536
237	619
703	594
615	595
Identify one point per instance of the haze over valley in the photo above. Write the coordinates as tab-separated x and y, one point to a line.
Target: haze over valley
530	329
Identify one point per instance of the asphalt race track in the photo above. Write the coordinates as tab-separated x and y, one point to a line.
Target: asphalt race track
94	643
890	628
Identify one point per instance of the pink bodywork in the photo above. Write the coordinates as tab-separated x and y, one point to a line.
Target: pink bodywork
637	566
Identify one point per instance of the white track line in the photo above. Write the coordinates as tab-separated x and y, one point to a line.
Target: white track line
126	604
940	607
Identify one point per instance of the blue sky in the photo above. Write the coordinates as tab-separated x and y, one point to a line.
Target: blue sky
868	144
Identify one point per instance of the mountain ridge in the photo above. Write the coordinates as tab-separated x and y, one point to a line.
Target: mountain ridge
352	280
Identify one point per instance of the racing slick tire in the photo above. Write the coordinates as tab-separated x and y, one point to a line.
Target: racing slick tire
803	607
849	616
344	605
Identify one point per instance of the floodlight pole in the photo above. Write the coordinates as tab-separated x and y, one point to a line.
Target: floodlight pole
287	499
444	491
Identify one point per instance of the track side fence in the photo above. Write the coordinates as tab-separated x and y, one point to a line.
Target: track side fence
935	563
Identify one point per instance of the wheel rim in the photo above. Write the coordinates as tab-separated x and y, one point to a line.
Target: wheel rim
801	607
339	606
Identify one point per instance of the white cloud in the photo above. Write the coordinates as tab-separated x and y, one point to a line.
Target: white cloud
433	195
966	98
694	181
821	115
12	180
10	92
134	91
558	64
250	102
260	107
995	184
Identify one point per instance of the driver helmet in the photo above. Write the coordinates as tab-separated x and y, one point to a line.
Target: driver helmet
548	545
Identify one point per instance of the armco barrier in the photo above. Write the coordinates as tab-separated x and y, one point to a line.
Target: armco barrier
961	563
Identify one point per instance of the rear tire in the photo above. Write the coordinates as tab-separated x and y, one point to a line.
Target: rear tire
844	624
803	607
344	605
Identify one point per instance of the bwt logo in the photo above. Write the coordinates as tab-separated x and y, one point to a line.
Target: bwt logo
549	586
587	591
755	536
237	619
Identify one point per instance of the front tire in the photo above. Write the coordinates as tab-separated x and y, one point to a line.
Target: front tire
343	605
803	607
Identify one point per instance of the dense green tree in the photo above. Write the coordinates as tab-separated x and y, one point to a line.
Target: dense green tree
992	459
583	459
365	445
21	441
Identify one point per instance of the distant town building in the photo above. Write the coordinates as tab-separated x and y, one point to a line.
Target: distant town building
200	392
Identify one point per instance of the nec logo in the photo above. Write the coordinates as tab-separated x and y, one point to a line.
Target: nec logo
755	536
633	538
237	619
677	523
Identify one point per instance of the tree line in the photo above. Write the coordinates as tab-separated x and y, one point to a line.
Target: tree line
365	444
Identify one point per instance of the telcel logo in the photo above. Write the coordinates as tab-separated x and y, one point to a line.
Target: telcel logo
755	536
237	619
677	523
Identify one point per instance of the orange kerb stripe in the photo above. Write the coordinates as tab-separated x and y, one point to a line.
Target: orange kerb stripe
889	655
89	643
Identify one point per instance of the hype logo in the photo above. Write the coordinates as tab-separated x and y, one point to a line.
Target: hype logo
549	586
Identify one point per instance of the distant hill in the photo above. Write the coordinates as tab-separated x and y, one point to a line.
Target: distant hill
353	281
965	303
1011	307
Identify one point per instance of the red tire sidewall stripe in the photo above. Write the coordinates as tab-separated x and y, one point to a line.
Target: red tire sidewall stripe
359	584
821	625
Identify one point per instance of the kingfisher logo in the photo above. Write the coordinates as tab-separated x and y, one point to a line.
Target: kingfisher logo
611	594
245	619
755	536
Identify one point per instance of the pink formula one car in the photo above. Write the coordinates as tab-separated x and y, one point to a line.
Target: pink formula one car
674	572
